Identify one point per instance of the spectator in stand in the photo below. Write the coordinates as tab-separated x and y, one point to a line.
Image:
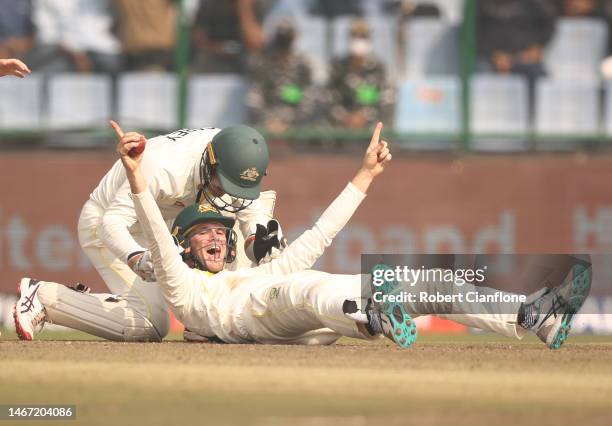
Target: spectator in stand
147	30
16	28
512	35
358	90
73	35
281	93
226	33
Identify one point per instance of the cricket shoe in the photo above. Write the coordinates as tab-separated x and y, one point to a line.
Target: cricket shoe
551	311
28	312
387	318
393	322
397	325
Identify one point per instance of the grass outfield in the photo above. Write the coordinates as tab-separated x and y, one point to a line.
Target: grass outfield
473	380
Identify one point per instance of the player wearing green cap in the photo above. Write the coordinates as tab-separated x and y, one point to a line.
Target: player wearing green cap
211	166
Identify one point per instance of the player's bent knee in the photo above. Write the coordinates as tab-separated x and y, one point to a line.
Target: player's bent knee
148	328
143	332
142	328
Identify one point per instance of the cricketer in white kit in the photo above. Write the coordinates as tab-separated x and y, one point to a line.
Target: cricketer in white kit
283	301
205	165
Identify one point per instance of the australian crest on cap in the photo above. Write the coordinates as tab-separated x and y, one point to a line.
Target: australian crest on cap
250	174
203	208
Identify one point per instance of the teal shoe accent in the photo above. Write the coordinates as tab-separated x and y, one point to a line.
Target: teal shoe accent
581	286
404	331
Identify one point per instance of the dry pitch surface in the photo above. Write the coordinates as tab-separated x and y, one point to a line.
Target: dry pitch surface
444	380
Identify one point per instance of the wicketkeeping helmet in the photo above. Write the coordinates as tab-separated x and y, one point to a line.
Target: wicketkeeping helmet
195	214
238	156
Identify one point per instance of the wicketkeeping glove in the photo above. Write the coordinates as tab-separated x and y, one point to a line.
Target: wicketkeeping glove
266	239
143	267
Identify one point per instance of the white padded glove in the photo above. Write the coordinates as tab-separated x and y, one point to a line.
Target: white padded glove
143	267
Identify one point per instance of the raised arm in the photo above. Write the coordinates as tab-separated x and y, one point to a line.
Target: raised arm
172	274
305	250
120	215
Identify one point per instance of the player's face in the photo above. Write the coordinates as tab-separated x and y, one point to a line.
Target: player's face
209	245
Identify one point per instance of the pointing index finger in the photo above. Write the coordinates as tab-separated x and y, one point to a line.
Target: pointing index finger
376	135
116	128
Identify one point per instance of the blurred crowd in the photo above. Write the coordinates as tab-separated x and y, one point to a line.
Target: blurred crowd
513	34
228	36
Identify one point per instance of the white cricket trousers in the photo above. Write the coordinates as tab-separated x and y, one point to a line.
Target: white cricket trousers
312	300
